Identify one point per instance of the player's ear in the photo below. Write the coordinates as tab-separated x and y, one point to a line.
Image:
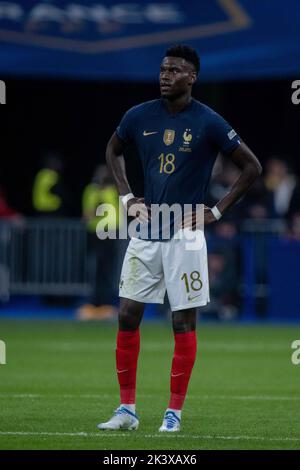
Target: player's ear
193	78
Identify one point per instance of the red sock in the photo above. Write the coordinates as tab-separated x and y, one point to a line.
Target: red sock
182	365
127	352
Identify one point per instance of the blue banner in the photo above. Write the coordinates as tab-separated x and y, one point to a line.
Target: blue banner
236	39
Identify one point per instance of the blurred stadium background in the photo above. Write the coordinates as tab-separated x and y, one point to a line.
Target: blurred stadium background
71	70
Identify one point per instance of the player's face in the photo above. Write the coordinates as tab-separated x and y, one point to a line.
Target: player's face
176	77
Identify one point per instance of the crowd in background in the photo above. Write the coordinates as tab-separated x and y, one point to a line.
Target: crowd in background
274	196
272	202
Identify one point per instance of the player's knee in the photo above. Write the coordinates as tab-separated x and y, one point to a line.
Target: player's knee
184	327
184	321
129	317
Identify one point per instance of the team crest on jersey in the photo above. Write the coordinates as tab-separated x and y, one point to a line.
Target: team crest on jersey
187	138
169	136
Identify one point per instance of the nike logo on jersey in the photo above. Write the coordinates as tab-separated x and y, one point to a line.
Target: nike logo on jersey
177	375
145	133
195	297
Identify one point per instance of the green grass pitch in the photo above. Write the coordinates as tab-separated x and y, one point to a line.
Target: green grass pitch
60	381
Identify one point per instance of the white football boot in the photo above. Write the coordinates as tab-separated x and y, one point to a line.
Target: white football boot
171	422
121	419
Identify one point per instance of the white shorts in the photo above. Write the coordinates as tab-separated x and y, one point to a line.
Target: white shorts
150	268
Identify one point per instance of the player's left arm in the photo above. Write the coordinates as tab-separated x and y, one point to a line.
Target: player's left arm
250	169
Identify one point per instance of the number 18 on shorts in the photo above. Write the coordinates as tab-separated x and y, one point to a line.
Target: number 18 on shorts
152	268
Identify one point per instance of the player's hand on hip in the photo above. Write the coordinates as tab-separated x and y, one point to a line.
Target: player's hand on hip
191	220
209	217
136	207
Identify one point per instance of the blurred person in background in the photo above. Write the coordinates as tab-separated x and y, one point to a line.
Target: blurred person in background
281	183
258	204
293	228
7	212
50	196
102	253
295	201
224	268
51	200
224	284
9	218
223	177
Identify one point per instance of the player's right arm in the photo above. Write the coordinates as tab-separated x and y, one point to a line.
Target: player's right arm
121	138
116	163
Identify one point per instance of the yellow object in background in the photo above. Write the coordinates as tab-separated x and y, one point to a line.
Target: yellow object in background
43	199
93	196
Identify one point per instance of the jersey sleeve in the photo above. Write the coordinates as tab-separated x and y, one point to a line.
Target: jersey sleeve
125	130
222	135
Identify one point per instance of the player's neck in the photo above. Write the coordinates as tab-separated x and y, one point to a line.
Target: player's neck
178	104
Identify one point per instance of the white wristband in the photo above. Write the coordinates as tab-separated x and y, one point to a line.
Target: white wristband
216	213
126	198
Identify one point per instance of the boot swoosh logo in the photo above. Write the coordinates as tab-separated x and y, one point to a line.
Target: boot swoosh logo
120	371
195	297
177	375
145	133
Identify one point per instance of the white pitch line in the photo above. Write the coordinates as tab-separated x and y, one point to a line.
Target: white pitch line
142	395
160	346
45	433
20	395
245	397
102	434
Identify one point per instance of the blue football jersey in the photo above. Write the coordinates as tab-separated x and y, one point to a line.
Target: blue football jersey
177	151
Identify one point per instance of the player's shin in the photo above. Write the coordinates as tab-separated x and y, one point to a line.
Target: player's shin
182	365
127	352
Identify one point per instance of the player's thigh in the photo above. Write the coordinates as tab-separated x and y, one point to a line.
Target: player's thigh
186	272
142	272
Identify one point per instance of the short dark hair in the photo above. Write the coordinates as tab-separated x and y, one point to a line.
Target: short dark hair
185	52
